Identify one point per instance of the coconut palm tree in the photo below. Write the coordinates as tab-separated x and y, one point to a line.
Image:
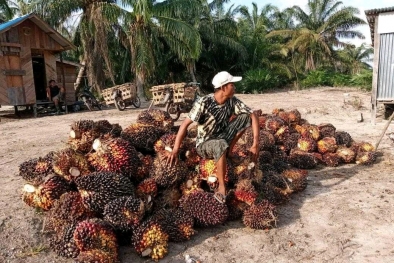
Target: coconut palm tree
320	29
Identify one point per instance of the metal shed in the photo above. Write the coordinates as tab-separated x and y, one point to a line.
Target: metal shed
29	48
381	24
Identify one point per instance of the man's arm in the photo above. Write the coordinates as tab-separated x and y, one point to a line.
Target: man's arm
256	134
173	156
49	94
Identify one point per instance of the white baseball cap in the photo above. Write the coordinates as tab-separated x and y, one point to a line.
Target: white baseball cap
222	78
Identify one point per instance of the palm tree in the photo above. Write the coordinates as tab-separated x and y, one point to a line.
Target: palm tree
353	60
320	29
6	12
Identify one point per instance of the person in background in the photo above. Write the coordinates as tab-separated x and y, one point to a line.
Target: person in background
217	131
54	93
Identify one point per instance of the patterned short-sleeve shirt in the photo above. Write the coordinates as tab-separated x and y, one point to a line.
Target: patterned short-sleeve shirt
213	118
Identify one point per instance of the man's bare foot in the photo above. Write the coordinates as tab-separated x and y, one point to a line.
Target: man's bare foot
220	194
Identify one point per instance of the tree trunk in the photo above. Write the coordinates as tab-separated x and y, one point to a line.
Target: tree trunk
191	67
81	72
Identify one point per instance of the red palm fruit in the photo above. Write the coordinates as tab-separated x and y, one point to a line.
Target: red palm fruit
96	256
261	215
294	116
207	167
302	160
192	158
366	158
331	159
35	170
145	166
297	178
70	164
166	175
165	142
306	144
282	133
262	120
148	187
327	145
327	130
273	123
156	117
235	206
347	155
284	116
245	191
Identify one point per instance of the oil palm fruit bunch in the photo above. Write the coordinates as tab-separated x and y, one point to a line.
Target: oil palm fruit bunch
191	183
275	188
291	141
327	145
150	240
94	233
347	155
166	143
147	187
115	155
327	130
302	160
45	195
284	115
63	243
306	144
297	178
82	135
96	256
157	118
343	138
99	188
142	136
167	198
273	123
70	164
35	170
166	175
265	157
262	120
207	168
364	147
124	213
104	127
267	140
260	215
309	131
235	207
331	159
68	209
176	223
294	116
143	169
204	208
366	158
192	158
245	191
280	165
282	133
245	170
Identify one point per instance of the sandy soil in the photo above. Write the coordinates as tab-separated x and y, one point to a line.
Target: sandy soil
344	215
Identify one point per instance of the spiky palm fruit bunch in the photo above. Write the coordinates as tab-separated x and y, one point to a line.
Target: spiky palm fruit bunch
207	167
99	188
68	209
116	155
192	158
191	183
235	207
364	147
82	135
147	187
306	144
143	169
331	159
168	198
204	208
245	170
156	117
291	141
69	164
104	127
297	179
265	157
176	223
63	243
294	117
267	140
302	160
97	234
124	213
142	136
280	165
167	175
95	256
327	130
150	240
327	145
276	111
275	188
309	131
262	120
273	123
165	143
35	170
343	138
260	215
244	191
281	134
45	195
83	126
366	158
347	155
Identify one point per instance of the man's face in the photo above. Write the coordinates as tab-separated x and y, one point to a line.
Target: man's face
53	83
229	89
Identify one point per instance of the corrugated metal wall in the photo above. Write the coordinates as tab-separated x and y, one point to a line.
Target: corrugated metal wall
385	90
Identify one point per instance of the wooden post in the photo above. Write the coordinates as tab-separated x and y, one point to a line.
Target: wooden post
375	72
63	81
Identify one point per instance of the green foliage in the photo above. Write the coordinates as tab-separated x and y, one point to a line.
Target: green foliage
316	78
260	80
341	80
363	80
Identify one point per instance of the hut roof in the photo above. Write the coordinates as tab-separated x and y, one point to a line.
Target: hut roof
372	14
42	25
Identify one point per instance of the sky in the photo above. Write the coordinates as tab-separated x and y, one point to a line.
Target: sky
362	5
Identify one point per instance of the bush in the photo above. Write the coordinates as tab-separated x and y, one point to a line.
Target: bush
363	80
341	80
316	78
260	80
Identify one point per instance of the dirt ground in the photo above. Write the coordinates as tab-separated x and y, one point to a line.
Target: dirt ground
344	215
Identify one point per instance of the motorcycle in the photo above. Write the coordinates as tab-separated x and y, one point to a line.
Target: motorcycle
175	106
88	98
120	101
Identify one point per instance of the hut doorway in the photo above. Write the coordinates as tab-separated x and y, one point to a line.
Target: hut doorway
39	77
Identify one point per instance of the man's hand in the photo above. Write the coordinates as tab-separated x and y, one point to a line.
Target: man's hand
254	150
171	157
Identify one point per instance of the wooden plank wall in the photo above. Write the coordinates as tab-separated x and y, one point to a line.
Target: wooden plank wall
50	66
3	92
38	38
70	76
27	66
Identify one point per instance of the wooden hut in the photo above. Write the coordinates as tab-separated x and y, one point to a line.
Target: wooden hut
29	49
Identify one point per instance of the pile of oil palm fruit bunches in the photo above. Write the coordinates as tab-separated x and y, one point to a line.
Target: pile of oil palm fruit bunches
110	186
